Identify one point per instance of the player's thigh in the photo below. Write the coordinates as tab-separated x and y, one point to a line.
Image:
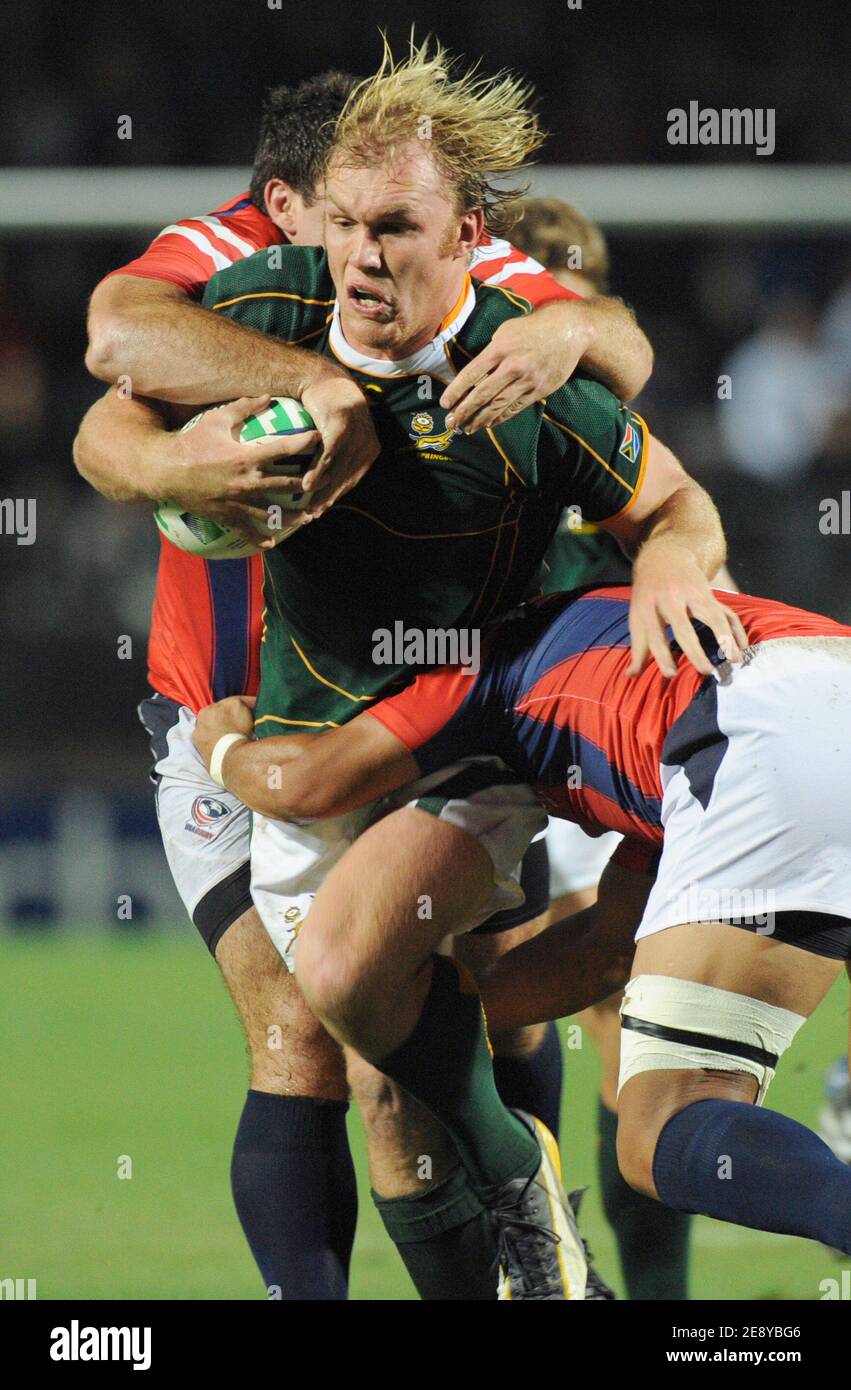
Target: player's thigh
740	960
511	926
725	1002
408	881
291	1053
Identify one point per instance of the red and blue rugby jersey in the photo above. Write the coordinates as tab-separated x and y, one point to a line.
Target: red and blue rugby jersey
206	621
553	700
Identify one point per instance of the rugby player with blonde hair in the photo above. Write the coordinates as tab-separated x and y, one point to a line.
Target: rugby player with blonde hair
291	1174
453	536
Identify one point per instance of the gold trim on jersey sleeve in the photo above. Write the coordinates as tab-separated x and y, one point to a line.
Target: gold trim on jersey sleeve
294	342
593	452
645	450
453	342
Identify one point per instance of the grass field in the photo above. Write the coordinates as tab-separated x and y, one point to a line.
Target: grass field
129	1047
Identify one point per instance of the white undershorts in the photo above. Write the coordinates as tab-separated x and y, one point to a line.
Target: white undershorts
577	860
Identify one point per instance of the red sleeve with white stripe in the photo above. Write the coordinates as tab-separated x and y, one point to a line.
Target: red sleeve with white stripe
189	252
497	262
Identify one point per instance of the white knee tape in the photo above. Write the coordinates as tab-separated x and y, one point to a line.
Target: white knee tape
669	1024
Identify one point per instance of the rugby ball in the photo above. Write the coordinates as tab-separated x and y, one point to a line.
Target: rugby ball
212	540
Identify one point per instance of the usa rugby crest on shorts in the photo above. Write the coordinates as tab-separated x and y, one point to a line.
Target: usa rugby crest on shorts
206	813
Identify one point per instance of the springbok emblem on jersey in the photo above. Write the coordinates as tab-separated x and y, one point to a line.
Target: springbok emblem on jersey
423	425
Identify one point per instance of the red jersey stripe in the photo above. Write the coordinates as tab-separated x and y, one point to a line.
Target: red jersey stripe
584	709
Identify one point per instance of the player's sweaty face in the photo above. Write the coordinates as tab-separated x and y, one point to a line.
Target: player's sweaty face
397	251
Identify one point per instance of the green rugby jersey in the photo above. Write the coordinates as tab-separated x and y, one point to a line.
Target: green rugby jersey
445	531
583	554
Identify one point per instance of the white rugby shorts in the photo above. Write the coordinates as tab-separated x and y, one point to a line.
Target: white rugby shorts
290	859
756	806
205	829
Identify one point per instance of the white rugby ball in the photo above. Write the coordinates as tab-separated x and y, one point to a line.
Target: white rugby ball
212	540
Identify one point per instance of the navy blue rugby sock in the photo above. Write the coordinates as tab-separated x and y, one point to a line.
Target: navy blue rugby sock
756	1168
533	1083
293	1185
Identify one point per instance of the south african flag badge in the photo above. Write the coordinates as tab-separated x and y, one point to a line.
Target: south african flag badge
630	444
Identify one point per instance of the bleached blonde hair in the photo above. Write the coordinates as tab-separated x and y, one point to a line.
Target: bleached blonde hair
478	129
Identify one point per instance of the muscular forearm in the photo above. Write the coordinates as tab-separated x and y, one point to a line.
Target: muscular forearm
172	349
113	449
532	355
562	971
161	345
277	777
687	522
673	530
307	776
574	963
671	519
616	350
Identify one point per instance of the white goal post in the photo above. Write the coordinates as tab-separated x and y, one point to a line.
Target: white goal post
624	198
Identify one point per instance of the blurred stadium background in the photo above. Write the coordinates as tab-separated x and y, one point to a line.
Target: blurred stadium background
117	1036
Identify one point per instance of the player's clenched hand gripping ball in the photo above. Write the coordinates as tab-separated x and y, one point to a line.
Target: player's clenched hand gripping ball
212	540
